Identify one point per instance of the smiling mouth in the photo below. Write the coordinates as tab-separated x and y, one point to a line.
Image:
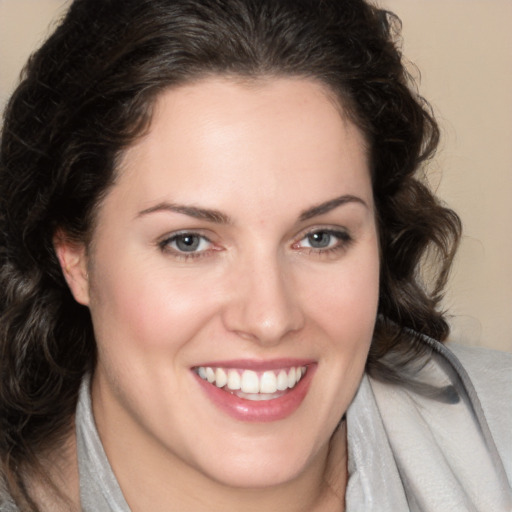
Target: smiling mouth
253	385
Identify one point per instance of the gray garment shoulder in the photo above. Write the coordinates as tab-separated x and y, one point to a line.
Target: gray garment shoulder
490	372
451	452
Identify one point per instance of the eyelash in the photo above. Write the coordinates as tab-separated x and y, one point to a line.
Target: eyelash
184	255
343	241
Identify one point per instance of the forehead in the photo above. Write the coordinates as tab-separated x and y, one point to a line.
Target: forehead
218	137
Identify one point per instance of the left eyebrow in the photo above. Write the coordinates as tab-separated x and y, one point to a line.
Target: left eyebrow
192	211
327	206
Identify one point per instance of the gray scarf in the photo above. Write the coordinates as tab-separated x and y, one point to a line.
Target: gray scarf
407	451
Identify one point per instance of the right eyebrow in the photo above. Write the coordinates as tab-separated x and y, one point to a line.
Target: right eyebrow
214	216
327	206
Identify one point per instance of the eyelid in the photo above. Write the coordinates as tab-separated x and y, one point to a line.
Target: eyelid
182	232
333	230
164	244
342	234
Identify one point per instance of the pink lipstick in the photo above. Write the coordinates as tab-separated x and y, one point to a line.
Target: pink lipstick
257	391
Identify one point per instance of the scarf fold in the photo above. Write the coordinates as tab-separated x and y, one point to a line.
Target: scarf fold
99	490
407	451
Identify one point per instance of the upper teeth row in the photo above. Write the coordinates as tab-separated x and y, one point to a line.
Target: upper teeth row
248	381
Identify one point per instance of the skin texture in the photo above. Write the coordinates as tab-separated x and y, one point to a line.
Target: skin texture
259	154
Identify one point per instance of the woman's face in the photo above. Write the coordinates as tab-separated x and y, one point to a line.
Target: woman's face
237	248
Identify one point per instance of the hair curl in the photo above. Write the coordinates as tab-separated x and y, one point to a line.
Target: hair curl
87	94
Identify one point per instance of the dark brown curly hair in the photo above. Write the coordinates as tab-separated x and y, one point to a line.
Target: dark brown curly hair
87	95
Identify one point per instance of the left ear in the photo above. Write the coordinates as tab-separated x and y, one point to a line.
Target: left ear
73	262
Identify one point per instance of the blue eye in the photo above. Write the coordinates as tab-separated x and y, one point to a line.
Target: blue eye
320	239
186	243
324	240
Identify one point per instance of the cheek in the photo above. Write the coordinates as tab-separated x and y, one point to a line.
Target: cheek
344	301
148	307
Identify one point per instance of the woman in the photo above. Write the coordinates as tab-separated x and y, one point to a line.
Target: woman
211	297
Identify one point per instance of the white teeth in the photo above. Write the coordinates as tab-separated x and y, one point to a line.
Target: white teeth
291	378
210	374
221	378
233	380
268	382
250	382
282	381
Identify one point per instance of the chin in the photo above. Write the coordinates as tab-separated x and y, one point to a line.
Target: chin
262	466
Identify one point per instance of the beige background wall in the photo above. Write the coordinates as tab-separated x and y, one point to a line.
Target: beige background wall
464	51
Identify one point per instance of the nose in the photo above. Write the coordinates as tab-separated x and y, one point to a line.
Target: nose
263	305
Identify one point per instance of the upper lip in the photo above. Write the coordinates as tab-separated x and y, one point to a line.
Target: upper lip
258	364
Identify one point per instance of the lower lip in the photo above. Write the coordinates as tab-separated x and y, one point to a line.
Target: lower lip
259	411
